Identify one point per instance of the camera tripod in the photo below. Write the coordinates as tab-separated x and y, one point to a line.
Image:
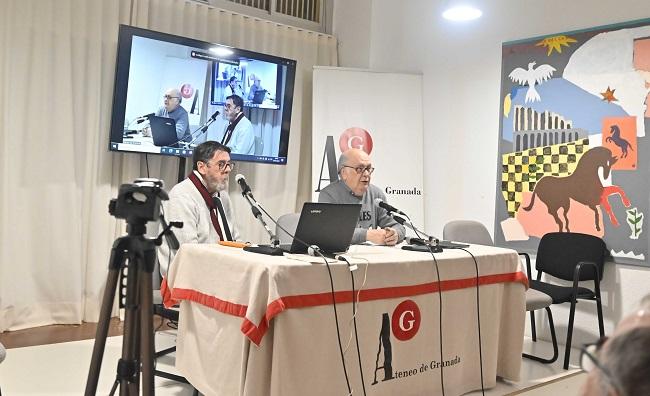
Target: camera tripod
137	255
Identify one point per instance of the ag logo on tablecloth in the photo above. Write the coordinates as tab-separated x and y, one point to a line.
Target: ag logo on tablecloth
406	320
404	324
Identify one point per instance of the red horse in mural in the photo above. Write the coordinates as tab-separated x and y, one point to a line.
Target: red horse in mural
583	186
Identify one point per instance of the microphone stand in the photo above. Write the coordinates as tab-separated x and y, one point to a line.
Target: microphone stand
429	244
273	249
202	129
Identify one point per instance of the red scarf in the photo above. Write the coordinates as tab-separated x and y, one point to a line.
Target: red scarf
207	197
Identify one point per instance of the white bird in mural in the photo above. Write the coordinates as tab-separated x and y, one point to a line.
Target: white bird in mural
532	77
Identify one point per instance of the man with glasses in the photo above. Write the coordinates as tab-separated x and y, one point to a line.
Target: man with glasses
239	132
620	364
355	169
201	201
172	109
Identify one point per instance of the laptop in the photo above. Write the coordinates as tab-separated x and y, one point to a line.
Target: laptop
163	131
259	96
326	225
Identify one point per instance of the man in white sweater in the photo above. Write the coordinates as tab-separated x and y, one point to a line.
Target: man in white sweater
201	202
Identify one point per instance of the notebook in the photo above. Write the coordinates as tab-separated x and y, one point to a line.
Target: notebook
163	131
259	95
326	225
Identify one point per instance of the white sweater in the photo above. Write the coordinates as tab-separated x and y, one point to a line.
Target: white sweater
187	205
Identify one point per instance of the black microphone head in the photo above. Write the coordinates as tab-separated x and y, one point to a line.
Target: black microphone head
245	189
214	116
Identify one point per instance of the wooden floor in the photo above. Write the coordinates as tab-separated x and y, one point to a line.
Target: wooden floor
61	333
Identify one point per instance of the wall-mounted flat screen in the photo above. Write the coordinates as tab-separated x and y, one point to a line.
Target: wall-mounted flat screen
173	93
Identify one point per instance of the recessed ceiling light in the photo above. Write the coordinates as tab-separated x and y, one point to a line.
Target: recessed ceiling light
462	13
221	51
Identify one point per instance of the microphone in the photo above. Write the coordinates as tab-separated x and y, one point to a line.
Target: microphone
388	207
144	117
245	188
214	116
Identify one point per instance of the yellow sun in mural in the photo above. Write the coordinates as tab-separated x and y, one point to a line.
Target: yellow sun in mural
556	43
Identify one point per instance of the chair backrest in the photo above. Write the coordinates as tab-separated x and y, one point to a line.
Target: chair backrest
467	231
559	253
289	222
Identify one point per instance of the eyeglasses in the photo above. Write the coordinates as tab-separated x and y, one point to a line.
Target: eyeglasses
170	97
223	164
589	359
361	169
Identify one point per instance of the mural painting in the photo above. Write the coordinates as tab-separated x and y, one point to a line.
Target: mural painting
573	150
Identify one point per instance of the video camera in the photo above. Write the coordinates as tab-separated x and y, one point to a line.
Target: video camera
138	202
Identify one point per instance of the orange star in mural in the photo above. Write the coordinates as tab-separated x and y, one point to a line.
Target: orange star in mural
609	95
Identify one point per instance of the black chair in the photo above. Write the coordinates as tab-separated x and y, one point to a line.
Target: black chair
571	257
474	232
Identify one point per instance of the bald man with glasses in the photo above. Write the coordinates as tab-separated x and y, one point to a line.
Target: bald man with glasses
172	109
374	225
201	201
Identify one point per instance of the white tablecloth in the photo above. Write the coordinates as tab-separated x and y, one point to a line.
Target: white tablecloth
263	325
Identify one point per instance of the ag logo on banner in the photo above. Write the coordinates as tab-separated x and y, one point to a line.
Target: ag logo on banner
354	137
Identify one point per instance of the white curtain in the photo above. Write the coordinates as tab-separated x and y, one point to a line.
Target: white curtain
57	64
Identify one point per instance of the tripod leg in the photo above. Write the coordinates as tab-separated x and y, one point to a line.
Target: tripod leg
146	335
127	368
102	328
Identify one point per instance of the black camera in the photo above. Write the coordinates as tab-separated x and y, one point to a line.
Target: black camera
138	202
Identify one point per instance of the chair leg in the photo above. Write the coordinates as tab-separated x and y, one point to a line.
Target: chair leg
533	330
569	334
165	352
553	339
601	325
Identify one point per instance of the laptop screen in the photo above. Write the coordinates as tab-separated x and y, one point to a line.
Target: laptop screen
326	225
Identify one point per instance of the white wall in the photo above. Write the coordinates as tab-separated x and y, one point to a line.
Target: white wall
461	65
351	24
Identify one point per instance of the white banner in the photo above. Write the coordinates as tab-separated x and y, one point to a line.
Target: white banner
380	113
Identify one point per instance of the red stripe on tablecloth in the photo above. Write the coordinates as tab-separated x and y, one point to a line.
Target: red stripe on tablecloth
255	333
166	294
209	301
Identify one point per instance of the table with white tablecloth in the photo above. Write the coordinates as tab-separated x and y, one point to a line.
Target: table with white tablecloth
264	325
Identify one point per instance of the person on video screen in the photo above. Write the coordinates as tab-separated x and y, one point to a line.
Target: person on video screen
233	88
355	169
257	86
172	109
201	202
239	132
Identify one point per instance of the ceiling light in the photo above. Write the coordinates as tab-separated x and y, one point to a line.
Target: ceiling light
221	51
462	13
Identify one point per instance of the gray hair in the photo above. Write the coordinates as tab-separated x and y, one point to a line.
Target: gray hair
343	160
627	358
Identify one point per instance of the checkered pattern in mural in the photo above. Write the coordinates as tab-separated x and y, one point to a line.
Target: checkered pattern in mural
521	170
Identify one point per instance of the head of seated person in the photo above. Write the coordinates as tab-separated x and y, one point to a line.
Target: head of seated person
619	365
212	161
172	99
355	170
